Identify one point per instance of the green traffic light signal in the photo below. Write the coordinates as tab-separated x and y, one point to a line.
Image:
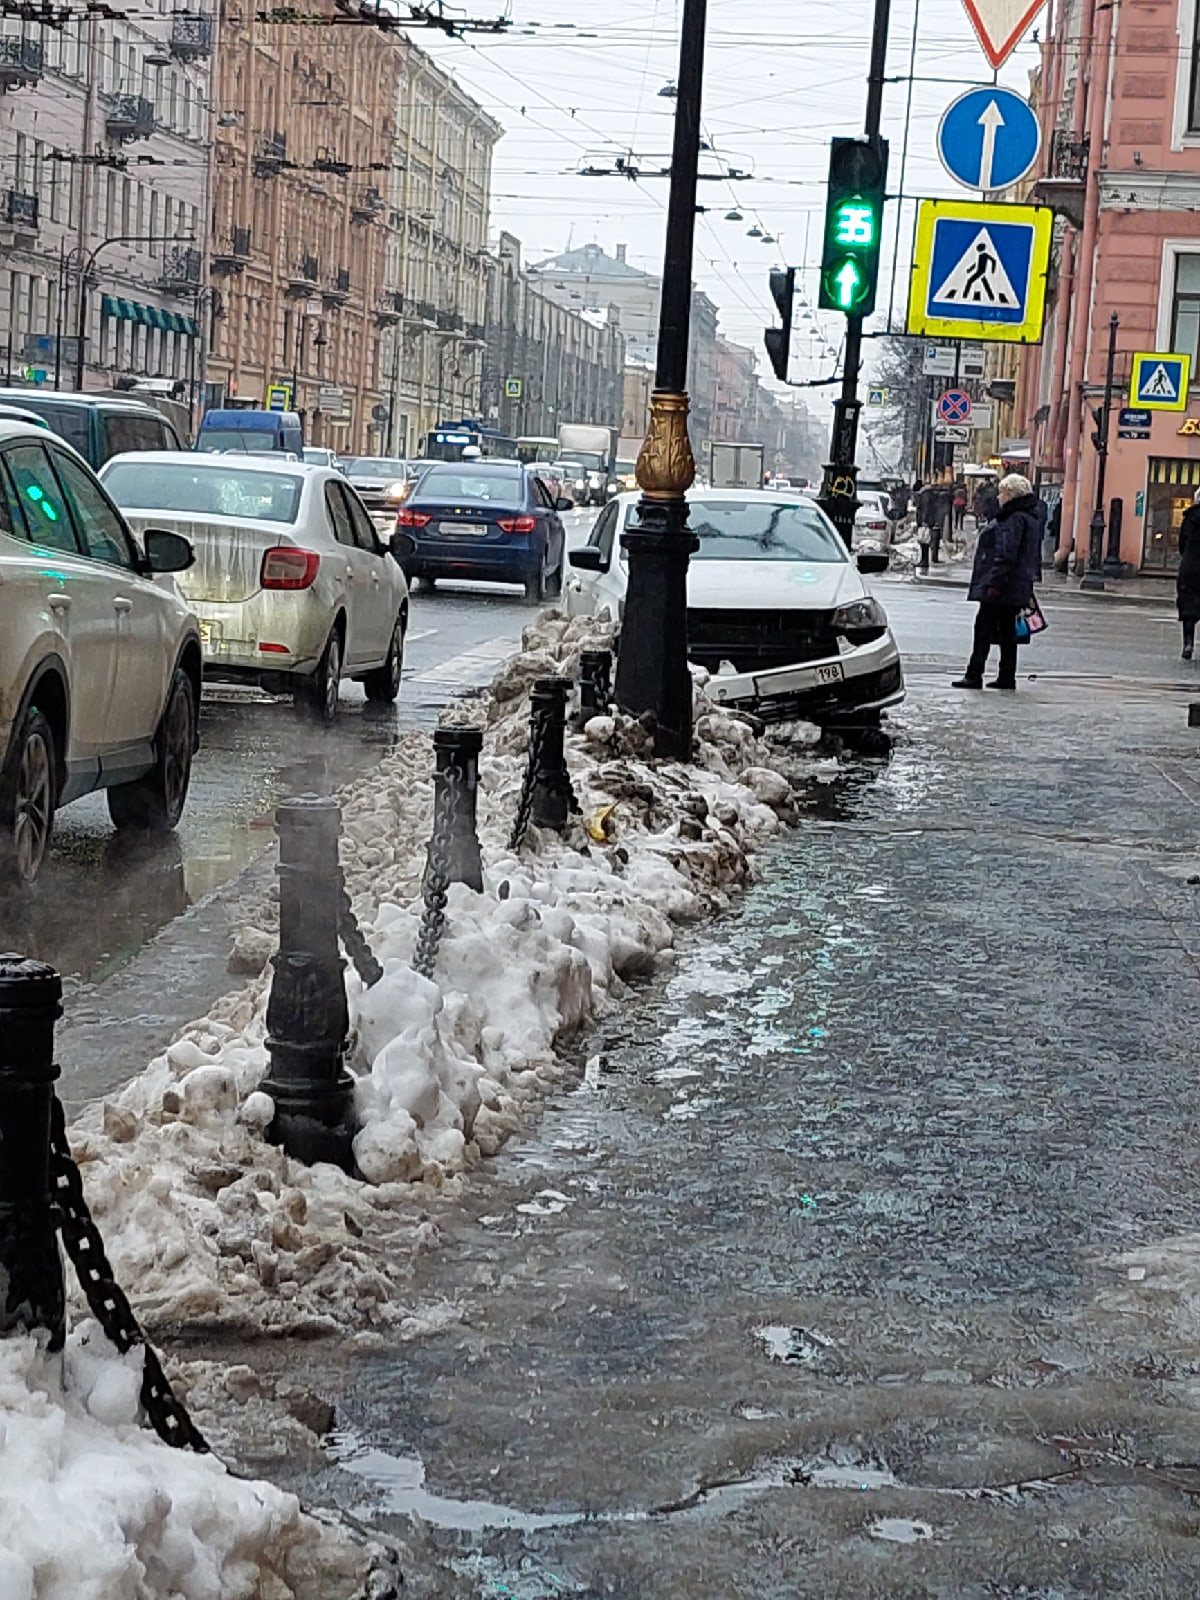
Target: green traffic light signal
853	224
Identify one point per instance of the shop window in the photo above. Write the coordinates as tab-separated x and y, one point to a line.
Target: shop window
1185	308
1169	491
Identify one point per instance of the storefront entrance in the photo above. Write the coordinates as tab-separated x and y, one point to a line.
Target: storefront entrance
1170	485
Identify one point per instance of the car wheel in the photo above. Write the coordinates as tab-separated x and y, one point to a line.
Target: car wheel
155	803
322	692
554	583
28	792
428	585
537	586
383	685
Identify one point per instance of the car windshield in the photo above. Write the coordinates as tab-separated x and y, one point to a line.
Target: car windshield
248	441
759	530
204	491
378	467
496	484
317	458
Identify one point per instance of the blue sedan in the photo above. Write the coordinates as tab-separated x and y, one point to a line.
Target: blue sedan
485	519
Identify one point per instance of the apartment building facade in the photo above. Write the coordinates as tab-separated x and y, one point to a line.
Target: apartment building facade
104	192
1120	103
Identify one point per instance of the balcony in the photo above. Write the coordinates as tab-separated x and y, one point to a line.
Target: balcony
181	269
450	321
1065	183
305	280
20	62
366	205
270	155
424	312
20	211
336	296
128	117
327	160
230	255
191	38
389	309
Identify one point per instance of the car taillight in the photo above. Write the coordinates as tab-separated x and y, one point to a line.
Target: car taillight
288	568
516	524
413	519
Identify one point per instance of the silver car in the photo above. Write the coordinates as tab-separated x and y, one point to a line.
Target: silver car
292	586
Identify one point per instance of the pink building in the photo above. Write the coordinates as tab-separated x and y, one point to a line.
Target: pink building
1120	103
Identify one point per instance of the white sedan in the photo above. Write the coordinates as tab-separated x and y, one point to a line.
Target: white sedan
292	586
871	521
777	610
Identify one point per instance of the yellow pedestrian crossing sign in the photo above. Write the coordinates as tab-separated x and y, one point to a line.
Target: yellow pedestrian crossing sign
1158	381
979	271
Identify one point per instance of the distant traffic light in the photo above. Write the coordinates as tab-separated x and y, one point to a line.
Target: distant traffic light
853	225
779	340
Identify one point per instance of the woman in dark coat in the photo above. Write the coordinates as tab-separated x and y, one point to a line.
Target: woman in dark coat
1187	581
1008	562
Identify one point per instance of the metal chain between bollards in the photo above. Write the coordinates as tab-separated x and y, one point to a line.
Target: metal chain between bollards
366	962
437	879
109	1305
538	726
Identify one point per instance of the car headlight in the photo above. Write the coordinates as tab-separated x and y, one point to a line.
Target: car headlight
581	483
860	614
396	491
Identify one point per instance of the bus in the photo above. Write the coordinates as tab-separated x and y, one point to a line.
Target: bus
448	440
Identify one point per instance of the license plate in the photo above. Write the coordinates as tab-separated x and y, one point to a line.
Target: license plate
464	530
834	673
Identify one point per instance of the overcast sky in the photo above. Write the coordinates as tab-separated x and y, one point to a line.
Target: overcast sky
578	81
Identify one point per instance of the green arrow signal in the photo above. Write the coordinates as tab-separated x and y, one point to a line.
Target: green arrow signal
847	278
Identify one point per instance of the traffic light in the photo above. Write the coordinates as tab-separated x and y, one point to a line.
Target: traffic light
779	340
853	225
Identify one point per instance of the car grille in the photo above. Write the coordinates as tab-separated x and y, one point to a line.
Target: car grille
756	641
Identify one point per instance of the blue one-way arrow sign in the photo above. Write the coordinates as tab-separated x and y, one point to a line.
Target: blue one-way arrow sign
988	138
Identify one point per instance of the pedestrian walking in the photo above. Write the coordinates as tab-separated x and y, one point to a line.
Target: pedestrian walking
960	505
1008	561
1187	580
987	503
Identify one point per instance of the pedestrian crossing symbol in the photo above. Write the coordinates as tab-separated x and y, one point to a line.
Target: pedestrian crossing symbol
979	271
1159	381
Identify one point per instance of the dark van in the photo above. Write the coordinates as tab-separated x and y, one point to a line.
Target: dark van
252	431
98	426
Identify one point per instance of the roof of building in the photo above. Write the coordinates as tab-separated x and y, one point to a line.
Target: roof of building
591	260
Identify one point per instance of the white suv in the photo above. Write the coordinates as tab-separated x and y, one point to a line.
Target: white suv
100	666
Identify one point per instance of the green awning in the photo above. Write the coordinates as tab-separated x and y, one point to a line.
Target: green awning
112	305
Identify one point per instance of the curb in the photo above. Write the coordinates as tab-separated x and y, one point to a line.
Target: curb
1072	596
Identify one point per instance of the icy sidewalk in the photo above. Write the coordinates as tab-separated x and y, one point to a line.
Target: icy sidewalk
209	1226
96	1508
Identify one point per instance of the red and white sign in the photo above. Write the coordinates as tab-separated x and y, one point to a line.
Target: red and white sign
1000	24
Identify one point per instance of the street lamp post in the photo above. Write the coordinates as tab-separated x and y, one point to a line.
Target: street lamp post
85	278
652	669
1093	578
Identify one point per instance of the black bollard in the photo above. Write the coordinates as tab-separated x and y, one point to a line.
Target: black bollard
31	1279
595	684
307	1016
551	800
455	792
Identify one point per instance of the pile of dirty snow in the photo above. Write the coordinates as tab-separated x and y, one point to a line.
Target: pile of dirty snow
206	1223
97	1508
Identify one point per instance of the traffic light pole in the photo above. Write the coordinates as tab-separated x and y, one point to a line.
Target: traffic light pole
839	485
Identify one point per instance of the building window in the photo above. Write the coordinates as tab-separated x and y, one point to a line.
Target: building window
1193	121
1185	306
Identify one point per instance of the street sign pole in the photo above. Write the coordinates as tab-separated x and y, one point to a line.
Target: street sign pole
1093	578
839	484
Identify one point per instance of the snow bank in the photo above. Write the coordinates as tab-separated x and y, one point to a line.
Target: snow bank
96	1508
208	1224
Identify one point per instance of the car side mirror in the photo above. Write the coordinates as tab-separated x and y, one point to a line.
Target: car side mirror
873	561
588	558
563	504
402	545
167	552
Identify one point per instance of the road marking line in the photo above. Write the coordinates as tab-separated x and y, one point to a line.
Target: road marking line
472	666
417	634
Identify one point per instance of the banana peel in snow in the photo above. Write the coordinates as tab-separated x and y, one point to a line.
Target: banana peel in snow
597	825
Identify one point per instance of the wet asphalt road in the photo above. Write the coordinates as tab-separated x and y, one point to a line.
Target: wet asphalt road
141	930
814	1287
